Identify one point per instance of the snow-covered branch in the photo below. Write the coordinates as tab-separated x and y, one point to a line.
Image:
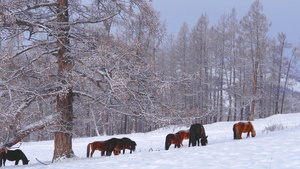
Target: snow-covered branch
39	125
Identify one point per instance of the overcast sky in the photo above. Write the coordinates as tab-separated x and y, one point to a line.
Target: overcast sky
284	14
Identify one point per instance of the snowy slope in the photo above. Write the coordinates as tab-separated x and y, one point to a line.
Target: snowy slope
275	146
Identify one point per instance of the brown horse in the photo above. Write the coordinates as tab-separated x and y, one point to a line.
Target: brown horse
241	127
172	139
184	134
116	145
97	145
197	132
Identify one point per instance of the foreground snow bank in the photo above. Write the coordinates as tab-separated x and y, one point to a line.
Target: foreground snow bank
275	146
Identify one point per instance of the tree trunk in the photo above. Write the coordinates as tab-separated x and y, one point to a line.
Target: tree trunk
254	91
134	123
285	84
63	136
278	89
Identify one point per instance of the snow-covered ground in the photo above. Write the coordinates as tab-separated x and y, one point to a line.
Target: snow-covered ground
275	146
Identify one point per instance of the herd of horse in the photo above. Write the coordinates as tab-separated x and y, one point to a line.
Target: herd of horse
116	145
113	145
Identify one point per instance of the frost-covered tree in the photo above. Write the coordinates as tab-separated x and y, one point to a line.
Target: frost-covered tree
255	27
60	60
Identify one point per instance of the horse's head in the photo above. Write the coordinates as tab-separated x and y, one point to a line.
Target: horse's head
25	161
204	140
133	145
253	133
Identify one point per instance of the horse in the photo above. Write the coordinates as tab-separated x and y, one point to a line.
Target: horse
184	134
96	145
197	132
243	127
130	145
116	145
13	155
172	139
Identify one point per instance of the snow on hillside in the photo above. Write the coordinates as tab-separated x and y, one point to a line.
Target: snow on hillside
275	146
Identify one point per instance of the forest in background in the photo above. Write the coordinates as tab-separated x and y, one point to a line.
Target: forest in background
73	69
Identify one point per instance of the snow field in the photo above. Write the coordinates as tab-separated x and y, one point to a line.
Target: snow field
268	150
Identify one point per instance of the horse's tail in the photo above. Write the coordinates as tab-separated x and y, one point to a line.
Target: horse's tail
178	140
167	142
234	132
1	159
88	150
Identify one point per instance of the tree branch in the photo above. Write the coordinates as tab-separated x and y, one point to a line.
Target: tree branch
39	125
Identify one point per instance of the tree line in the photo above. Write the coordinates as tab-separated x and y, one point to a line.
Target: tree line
73	69
232	70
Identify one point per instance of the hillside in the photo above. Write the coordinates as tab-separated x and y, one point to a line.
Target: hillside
275	146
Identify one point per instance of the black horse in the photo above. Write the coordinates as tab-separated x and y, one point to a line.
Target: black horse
132	144
13	155
116	145
197	132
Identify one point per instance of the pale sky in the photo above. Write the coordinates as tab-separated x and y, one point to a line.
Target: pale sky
283	14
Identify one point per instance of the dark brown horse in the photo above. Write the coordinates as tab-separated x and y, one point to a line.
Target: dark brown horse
197	132
172	139
184	134
242	127
97	145
13	155
116	145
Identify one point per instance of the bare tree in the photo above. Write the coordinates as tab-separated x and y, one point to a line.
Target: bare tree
256	26
283	44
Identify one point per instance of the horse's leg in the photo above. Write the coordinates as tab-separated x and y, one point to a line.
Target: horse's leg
102	153
17	162
181	140
93	150
4	162
124	151
248	134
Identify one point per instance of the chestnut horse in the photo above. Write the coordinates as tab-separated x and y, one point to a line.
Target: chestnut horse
197	132
116	145
172	139
184	134
97	145
243	127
